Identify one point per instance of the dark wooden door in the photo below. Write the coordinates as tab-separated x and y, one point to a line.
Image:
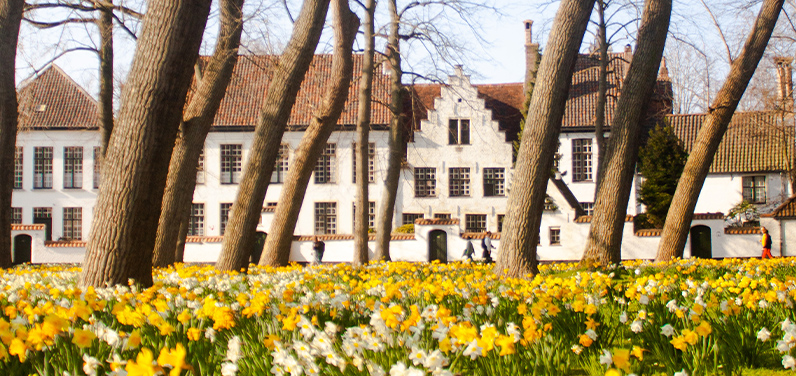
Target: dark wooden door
438	246
700	242
48	226
22	245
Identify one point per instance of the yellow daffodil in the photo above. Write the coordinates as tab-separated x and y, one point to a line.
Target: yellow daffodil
83	338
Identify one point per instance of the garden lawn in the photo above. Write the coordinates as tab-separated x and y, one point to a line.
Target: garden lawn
687	317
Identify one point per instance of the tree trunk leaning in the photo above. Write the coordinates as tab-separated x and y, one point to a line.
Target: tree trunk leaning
105	102
517	254
363	131
135	166
386	210
681	211
10	18
198	118
280	238
279	99
603	245
602	92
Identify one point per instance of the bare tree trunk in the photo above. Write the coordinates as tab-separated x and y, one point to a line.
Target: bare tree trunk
10	18
604	243
198	118
384	218
105	105
681	211
517	255
239	237
277	246
602	91
363	131
135	167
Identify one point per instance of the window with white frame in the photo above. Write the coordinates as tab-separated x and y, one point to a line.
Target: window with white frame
409	218
196	223
425	181
281	166
200	167
73	167
371	215
581	159
459	181
73	223
371	162
494	180
226	210
458	131
231	163
475	222
18	167
587	207
555	235
16	216
325	218
325	166
97	165
42	167
754	189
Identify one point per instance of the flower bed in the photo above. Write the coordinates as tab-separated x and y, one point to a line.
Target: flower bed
694	317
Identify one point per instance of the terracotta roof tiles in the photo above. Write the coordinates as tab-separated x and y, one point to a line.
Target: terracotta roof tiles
437	221
649	232
785	210
479	235
28	227
741	230
65	244
754	142
249	85
706	216
52	100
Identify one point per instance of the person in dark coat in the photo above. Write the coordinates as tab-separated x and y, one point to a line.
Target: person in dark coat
486	245
318	247
469	251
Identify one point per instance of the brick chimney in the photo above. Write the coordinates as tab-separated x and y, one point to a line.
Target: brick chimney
627	57
531	55
784	83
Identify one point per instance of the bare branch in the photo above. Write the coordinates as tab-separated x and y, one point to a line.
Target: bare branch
61	54
49	25
721	32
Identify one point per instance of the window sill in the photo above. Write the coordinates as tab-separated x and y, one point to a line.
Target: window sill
73	188
42	188
494	195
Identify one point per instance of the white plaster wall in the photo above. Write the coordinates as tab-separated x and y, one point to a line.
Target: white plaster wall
342	192
488	148
36	244
721	192
57	197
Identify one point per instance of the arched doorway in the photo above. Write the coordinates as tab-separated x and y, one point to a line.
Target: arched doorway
257	250
700	242
438	246
22	244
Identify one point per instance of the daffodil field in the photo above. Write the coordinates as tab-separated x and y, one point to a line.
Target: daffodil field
688	317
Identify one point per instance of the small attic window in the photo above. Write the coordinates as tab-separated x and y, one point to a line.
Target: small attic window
41	108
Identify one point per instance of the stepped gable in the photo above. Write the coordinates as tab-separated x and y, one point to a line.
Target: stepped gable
249	84
754	142
51	100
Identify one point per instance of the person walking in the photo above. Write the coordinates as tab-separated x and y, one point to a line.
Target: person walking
318	247
469	251
486	245
766	242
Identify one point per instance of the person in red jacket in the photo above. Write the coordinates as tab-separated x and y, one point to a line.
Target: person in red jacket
766	242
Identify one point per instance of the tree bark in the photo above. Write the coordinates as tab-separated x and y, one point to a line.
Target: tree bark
197	120
135	167
363	131
387	206
681	211
277	245
10	18
602	91
604	242
239	237
105	103
517	255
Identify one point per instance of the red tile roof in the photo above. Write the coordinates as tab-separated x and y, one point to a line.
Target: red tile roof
333	237
705	216
587	219
52	100
65	244
754	142
204	239
785	210
649	232
437	221
249	84
741	230
19	227
480	235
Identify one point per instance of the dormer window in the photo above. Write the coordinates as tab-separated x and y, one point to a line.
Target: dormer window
459	131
